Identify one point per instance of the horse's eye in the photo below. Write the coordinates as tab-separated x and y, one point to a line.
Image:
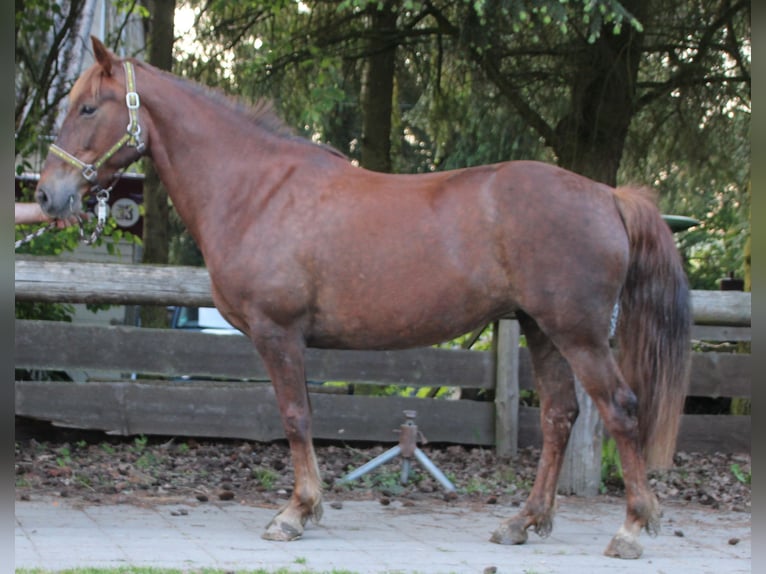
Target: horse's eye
87	110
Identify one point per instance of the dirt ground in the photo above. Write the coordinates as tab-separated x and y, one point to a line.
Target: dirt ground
93	467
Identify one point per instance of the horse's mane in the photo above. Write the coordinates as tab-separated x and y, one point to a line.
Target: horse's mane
262	113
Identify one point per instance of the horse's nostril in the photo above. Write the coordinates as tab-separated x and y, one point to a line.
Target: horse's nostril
42	197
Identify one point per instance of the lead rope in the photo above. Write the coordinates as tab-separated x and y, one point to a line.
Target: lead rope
35	234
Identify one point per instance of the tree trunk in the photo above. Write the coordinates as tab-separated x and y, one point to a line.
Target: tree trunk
591	136
378	89
748	248
156	228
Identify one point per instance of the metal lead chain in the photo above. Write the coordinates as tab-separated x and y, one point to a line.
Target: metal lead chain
102	210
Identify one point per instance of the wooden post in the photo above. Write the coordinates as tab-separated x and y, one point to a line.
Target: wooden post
507	388
581	471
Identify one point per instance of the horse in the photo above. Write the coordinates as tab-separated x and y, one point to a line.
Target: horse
305	249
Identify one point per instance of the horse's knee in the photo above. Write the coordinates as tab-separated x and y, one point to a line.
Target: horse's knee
624	411
627	401
297	423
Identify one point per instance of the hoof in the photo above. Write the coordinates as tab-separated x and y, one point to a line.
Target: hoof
317	513
624	546
653	525
510	532
544	527
279	531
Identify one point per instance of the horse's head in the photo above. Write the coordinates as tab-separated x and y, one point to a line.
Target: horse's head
94	142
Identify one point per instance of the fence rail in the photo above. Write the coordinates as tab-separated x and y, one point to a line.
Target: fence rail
50	280
226	396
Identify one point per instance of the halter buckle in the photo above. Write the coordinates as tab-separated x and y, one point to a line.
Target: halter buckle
90	173
132	100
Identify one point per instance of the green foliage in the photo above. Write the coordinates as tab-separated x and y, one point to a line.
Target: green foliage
388	479
265	477
740	475
611	467
131	7
311	62
64	457
139	443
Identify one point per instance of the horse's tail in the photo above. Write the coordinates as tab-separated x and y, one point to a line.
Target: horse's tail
653	330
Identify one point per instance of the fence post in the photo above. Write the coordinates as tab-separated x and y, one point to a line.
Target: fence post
507	388
581	471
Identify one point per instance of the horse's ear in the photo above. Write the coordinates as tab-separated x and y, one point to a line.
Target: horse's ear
103	55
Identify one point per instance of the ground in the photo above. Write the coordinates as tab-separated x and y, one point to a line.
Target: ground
93	468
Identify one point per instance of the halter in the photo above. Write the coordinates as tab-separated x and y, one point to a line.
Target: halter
132	137
89	171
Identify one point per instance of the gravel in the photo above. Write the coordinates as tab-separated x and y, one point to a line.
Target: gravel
92	467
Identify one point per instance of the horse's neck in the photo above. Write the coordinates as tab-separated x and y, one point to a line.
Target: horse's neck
201	152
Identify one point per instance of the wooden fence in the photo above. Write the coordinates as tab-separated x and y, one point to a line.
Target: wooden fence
227	395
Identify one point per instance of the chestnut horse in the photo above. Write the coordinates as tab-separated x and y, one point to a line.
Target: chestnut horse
305	249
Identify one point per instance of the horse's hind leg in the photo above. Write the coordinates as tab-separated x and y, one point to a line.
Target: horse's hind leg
597	370
283	356
558	405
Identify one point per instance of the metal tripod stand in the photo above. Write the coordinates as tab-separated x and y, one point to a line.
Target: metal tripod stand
407	448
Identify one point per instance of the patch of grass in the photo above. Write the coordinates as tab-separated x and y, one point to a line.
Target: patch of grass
265	477
740	475
387	480
146	460
505	475
477	486
64	458
139	444
151	570
611	467
83	480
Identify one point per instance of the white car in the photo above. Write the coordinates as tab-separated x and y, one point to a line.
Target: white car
204	319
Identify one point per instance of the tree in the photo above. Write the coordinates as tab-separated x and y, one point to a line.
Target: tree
45	33
378	87
619	91
156	214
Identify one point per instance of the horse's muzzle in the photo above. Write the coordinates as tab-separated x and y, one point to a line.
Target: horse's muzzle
58	197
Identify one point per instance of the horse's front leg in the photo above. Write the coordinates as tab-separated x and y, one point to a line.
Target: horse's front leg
283	355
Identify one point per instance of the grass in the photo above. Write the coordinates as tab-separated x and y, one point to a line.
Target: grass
150	570
740	475
265	477
611	467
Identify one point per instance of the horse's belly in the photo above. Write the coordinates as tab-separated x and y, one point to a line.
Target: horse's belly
388	325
